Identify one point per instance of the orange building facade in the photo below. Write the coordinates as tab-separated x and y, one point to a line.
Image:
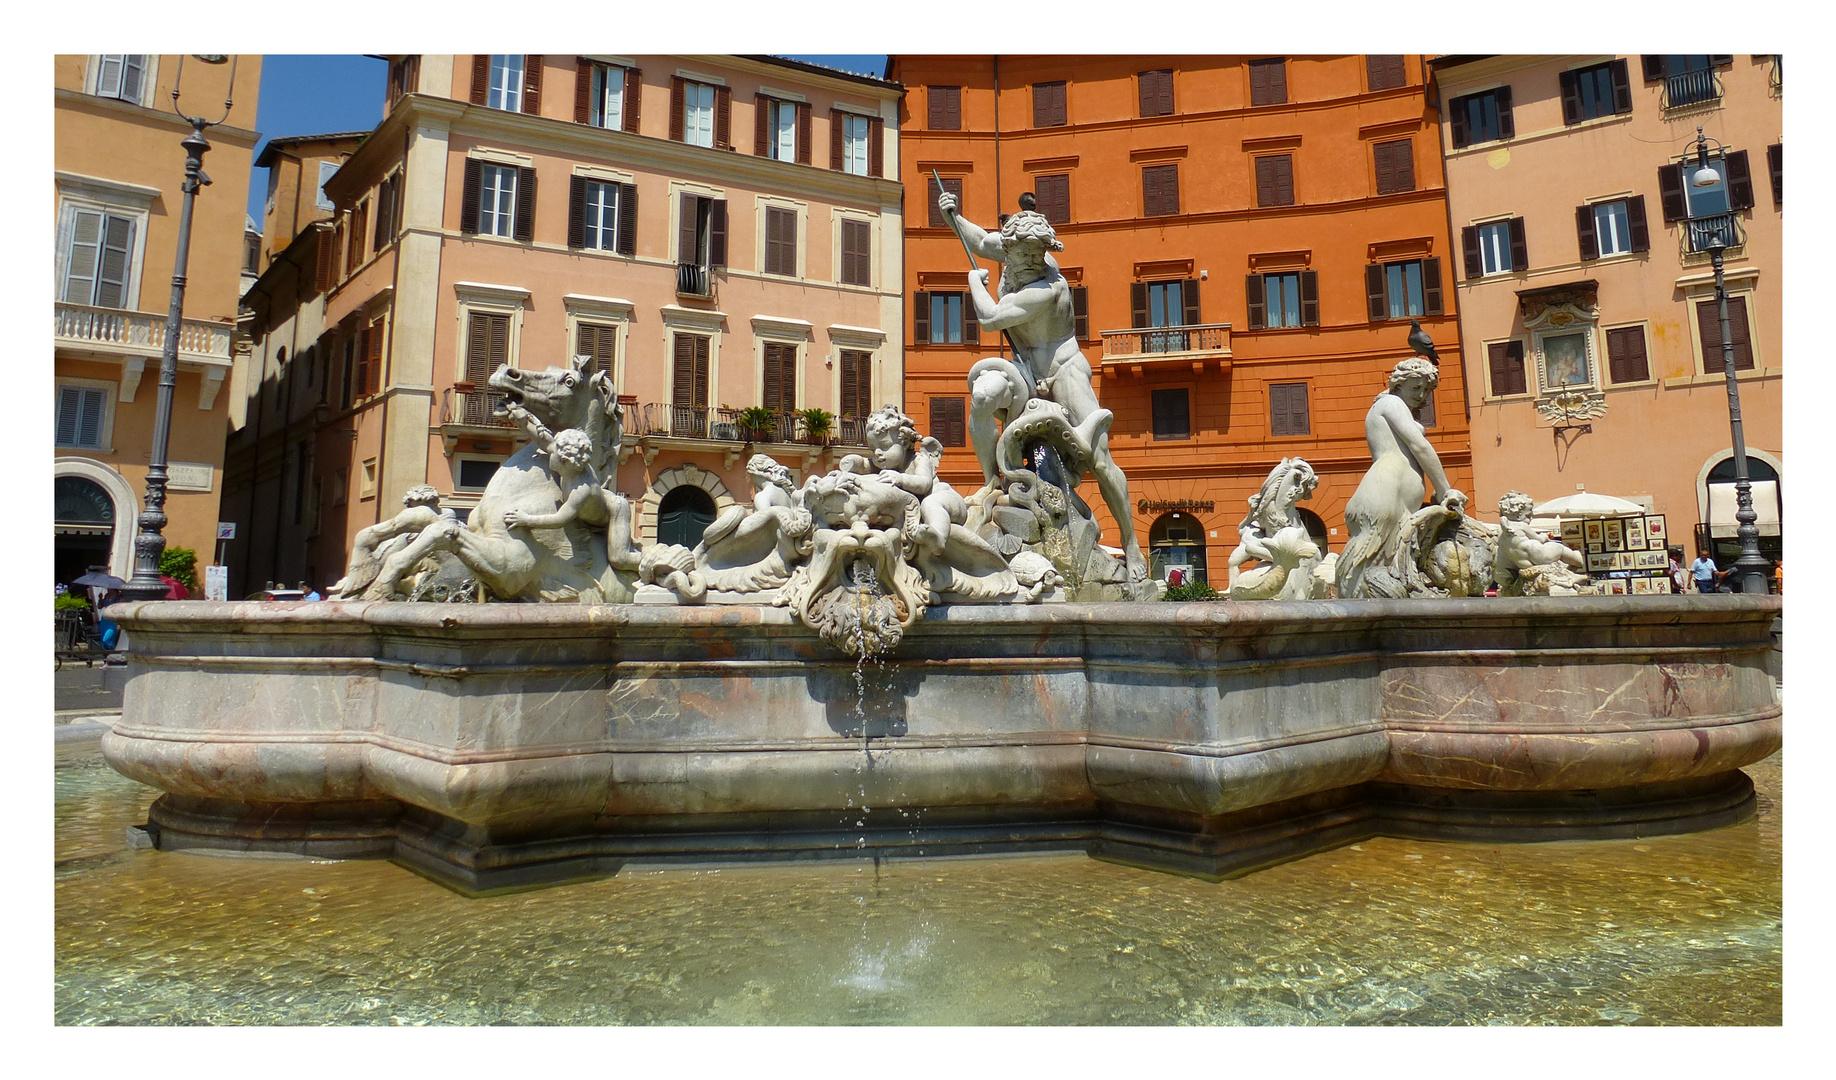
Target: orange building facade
1246	238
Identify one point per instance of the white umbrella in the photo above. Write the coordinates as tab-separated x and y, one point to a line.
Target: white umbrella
1585	504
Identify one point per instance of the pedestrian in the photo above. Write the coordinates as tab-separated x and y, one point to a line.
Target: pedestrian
307	592
1679	574
1778	576
1704	571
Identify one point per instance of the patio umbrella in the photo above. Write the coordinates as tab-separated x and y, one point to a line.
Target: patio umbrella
96	579
1585	504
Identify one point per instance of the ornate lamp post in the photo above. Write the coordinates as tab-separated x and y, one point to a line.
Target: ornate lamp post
1751	569
150	539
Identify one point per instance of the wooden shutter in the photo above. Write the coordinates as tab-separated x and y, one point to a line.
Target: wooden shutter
1189	294
385	205
677	102
1584	230
470	197
481	77
1265	181
576	211
525	204
1740	182
717	232
1138	304
1670	191
1268	82
359	233
761	125
1520	251
688	233
1160	190
780	377
1172	414
723	118
1506	359
627	219
532	85
1054	195
876	147
322	274
1150	191
1288	413
972	329
803	133
363	361
1275	180
1257	291
1622	87
1775	165
856	383
604	342
1384	72
1399	157
1080	312
857	252
1373	290
629	102
1431	286
1720	60
1469	249
1049	104
921	317
947	421
945	106
373	341
682	382
1456	121
478	349
780	241
1156	92
1708	320
836	120
951	184
1626	360
1507	127
1570	84
1635	218
1653	67
583	90
1310	297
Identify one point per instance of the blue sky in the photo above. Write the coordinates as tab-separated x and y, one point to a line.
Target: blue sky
316	95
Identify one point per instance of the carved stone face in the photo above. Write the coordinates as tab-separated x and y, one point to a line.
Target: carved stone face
888	451
1413	391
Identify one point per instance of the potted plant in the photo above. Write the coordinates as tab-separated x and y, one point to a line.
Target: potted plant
756	421
818	425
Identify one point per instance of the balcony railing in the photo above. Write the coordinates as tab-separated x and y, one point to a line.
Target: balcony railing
1207	341
663	420
140	333
473	408
1714	231
1691	88
694	280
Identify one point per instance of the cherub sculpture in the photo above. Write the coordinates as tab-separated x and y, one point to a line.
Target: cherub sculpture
584	499
1528	562
420	508
751	550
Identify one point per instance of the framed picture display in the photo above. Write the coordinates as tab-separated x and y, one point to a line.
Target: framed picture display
1571	534
1595	538
1635	534
1566	361
1641	586
1616	587
1654	530
1615	535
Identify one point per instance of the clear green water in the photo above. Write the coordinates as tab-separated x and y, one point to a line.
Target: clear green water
1675	930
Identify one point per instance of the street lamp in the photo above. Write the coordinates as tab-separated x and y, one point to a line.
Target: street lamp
150	539
1750	570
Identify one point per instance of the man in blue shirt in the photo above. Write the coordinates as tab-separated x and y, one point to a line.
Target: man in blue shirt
1705	572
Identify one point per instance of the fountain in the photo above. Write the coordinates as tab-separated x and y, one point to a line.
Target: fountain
614	705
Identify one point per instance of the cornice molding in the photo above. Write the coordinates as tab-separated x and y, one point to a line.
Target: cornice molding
127	110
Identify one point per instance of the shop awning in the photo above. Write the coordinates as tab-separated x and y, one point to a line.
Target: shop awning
1723	504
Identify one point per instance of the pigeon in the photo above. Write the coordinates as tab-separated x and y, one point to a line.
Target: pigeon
1422	343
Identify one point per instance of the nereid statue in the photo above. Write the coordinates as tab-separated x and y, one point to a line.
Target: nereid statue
1290	565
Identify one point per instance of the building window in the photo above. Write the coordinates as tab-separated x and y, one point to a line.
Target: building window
945	105
947	423
82	415
487	349
1731	192
1080	312
1395	166
1156	92
1403	290
698	114
1688	80
388	194
404	77
780	241
689	386
360	221
606	213
1284	300
701	241
505	90
776	129
1172	414
1268	82
1506	359
1612	228
1159	190
1052	193
606	97
1384	72
1288	409
1049	104
856	252
1481	117
1164	304
497	200
951	184
1775	164
366	483
938	318
251	253
327	169
856	384
121	77
476	473
599	341
1625	350
857	142
1275	180
780	381
1711	199
1708	322
1496	247
1600	90
99	260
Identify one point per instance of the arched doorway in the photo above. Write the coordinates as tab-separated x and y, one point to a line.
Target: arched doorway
85	519
683	515
1720	499
1176	541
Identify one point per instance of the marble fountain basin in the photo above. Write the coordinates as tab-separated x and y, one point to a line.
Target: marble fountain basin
502	746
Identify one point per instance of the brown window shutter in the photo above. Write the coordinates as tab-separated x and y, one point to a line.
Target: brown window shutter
1506	359
682	381
1431	286
1404	161
478	349
1775	165
953	185
688	233
972	329
1149	93
1626	355
1720	60
876	147
857	253
1584	230
1310	297
921	317
1571	97
1060	107
677	102
1080	312
1469	248
359	233
1257	291
1386	171
532	85
1740	182
1384	72
835	139
1670	192
1635	218
583	90
481	77
717	232
947	421
1373	290
1150	191
945	105
774	396
1653	67
1520	251
633	84
322	274
1456	122
586	339
627	219
1054	197
362	380
1708	319
469	198
605	347
576	211
1189	293
1507	127
1259	83
525	204
1284	179
934	107
373	338
761	125
1622	87
804	138
1138	304
850	384
1169	189
723	118
1265	181
774	241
